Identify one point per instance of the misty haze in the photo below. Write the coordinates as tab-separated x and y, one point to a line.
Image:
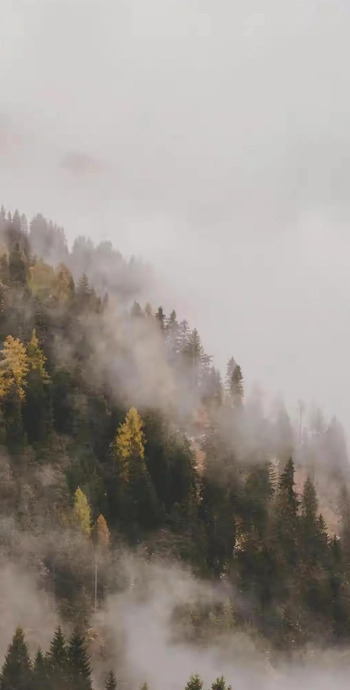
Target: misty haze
174	339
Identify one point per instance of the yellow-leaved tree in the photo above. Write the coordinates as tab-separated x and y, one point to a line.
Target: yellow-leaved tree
129	442
13	367
82	511
102	533
135	494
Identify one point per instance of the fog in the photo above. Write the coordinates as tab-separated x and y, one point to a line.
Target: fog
210	137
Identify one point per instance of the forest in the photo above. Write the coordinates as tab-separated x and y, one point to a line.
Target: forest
119	435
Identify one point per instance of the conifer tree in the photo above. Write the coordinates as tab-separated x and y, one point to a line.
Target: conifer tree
111	681
220	684
13	373
160	318
57	654
40	672
64	288
102	533
79	669
18	266
37	415
137	500
82	512
136	310
148	310
286	517
130	441
194	683
13	367
16	671
234	383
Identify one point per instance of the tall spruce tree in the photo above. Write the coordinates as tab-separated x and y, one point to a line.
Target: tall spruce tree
111	681
195	683
41	677
79	670
17	671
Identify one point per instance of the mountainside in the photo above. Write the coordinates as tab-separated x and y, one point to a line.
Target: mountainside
118	437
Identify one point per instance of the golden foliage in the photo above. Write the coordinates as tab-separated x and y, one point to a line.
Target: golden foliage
102	532
130	437
13	367
82	511
129	442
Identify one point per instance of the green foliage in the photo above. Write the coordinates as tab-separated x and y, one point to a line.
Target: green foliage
111	681
195	489
79	670
16	671
220	684
41	672
194	683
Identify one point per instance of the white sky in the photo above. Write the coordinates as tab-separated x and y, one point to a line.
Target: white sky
214	138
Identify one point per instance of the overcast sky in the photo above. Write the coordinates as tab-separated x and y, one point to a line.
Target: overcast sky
212	137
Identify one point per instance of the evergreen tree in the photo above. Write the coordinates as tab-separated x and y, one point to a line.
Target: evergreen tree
111	681
79	670
136	310
234	383
160	318
220	684
40	672
18	267
194	683
16	671
287	514
57	654
37	415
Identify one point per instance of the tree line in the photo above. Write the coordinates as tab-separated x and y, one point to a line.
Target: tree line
65	666
121	473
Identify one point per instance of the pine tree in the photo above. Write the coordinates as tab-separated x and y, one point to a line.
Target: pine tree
148	310
234	383
18	266
82	512
136	498
111	681
220	684
16	671
160	318
36	358
79	669
37	414
57	654
136	311
194	683
40	672
286	521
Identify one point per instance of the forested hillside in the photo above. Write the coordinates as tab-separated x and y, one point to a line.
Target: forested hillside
117	433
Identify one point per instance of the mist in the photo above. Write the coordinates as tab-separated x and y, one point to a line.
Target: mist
210	138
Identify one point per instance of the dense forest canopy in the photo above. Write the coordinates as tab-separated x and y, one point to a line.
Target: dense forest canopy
118	435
